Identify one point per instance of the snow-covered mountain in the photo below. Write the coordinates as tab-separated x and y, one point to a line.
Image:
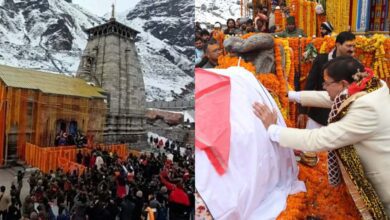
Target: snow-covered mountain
43	34
211	11
48	35
166	46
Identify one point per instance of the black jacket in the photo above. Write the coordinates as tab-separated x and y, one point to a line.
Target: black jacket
314	82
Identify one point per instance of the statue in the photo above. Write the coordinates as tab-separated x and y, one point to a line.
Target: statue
258	49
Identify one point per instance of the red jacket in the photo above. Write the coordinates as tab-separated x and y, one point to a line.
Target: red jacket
177	195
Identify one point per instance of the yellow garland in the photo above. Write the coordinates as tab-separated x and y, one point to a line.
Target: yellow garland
314	14
336	14
301	15
375	45
284	111
323	47
286	48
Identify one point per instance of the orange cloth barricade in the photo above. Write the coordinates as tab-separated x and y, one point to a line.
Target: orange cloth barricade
51	158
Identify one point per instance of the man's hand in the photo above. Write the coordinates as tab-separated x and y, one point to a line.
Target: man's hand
301	121
264	113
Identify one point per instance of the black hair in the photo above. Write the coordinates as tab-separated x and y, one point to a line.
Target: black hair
218	23
212	41
345	36
231	19
198	38
2	188
343	68
259	20
249	21
205	32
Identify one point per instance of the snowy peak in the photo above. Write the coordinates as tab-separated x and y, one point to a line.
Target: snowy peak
43	34
166	43
176	17
211	11
49	35
170	21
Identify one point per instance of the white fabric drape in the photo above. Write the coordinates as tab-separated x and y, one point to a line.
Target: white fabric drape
260	174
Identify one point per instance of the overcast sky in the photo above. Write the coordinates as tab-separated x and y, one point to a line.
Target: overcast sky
102	7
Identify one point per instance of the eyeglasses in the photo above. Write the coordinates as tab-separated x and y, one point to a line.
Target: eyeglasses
325	84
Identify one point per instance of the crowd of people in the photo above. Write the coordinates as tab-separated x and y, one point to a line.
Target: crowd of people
150	186
263	22
65	139
165	144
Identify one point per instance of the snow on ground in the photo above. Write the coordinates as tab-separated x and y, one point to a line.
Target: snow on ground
211	11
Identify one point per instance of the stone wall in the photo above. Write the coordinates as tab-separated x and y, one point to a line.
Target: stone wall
170	125
178	134
110	61
181	104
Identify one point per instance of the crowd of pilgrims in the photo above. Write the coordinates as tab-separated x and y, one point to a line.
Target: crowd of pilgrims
156	186
263	22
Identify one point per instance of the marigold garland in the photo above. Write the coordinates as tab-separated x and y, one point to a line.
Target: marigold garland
290	80
294	45
294	9
372	53
386	46
317	43
328	44
227	61
278	20
287	55
272	83
280	74
246	36
321	200
301	14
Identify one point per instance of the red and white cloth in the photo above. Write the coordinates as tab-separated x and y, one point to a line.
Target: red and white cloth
240	172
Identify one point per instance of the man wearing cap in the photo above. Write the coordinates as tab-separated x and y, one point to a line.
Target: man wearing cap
326	29
291	30
218	34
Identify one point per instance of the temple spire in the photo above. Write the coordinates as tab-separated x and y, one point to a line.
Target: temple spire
113	12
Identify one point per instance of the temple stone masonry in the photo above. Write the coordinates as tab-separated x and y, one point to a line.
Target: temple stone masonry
110	61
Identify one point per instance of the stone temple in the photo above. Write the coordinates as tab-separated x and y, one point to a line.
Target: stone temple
110	61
